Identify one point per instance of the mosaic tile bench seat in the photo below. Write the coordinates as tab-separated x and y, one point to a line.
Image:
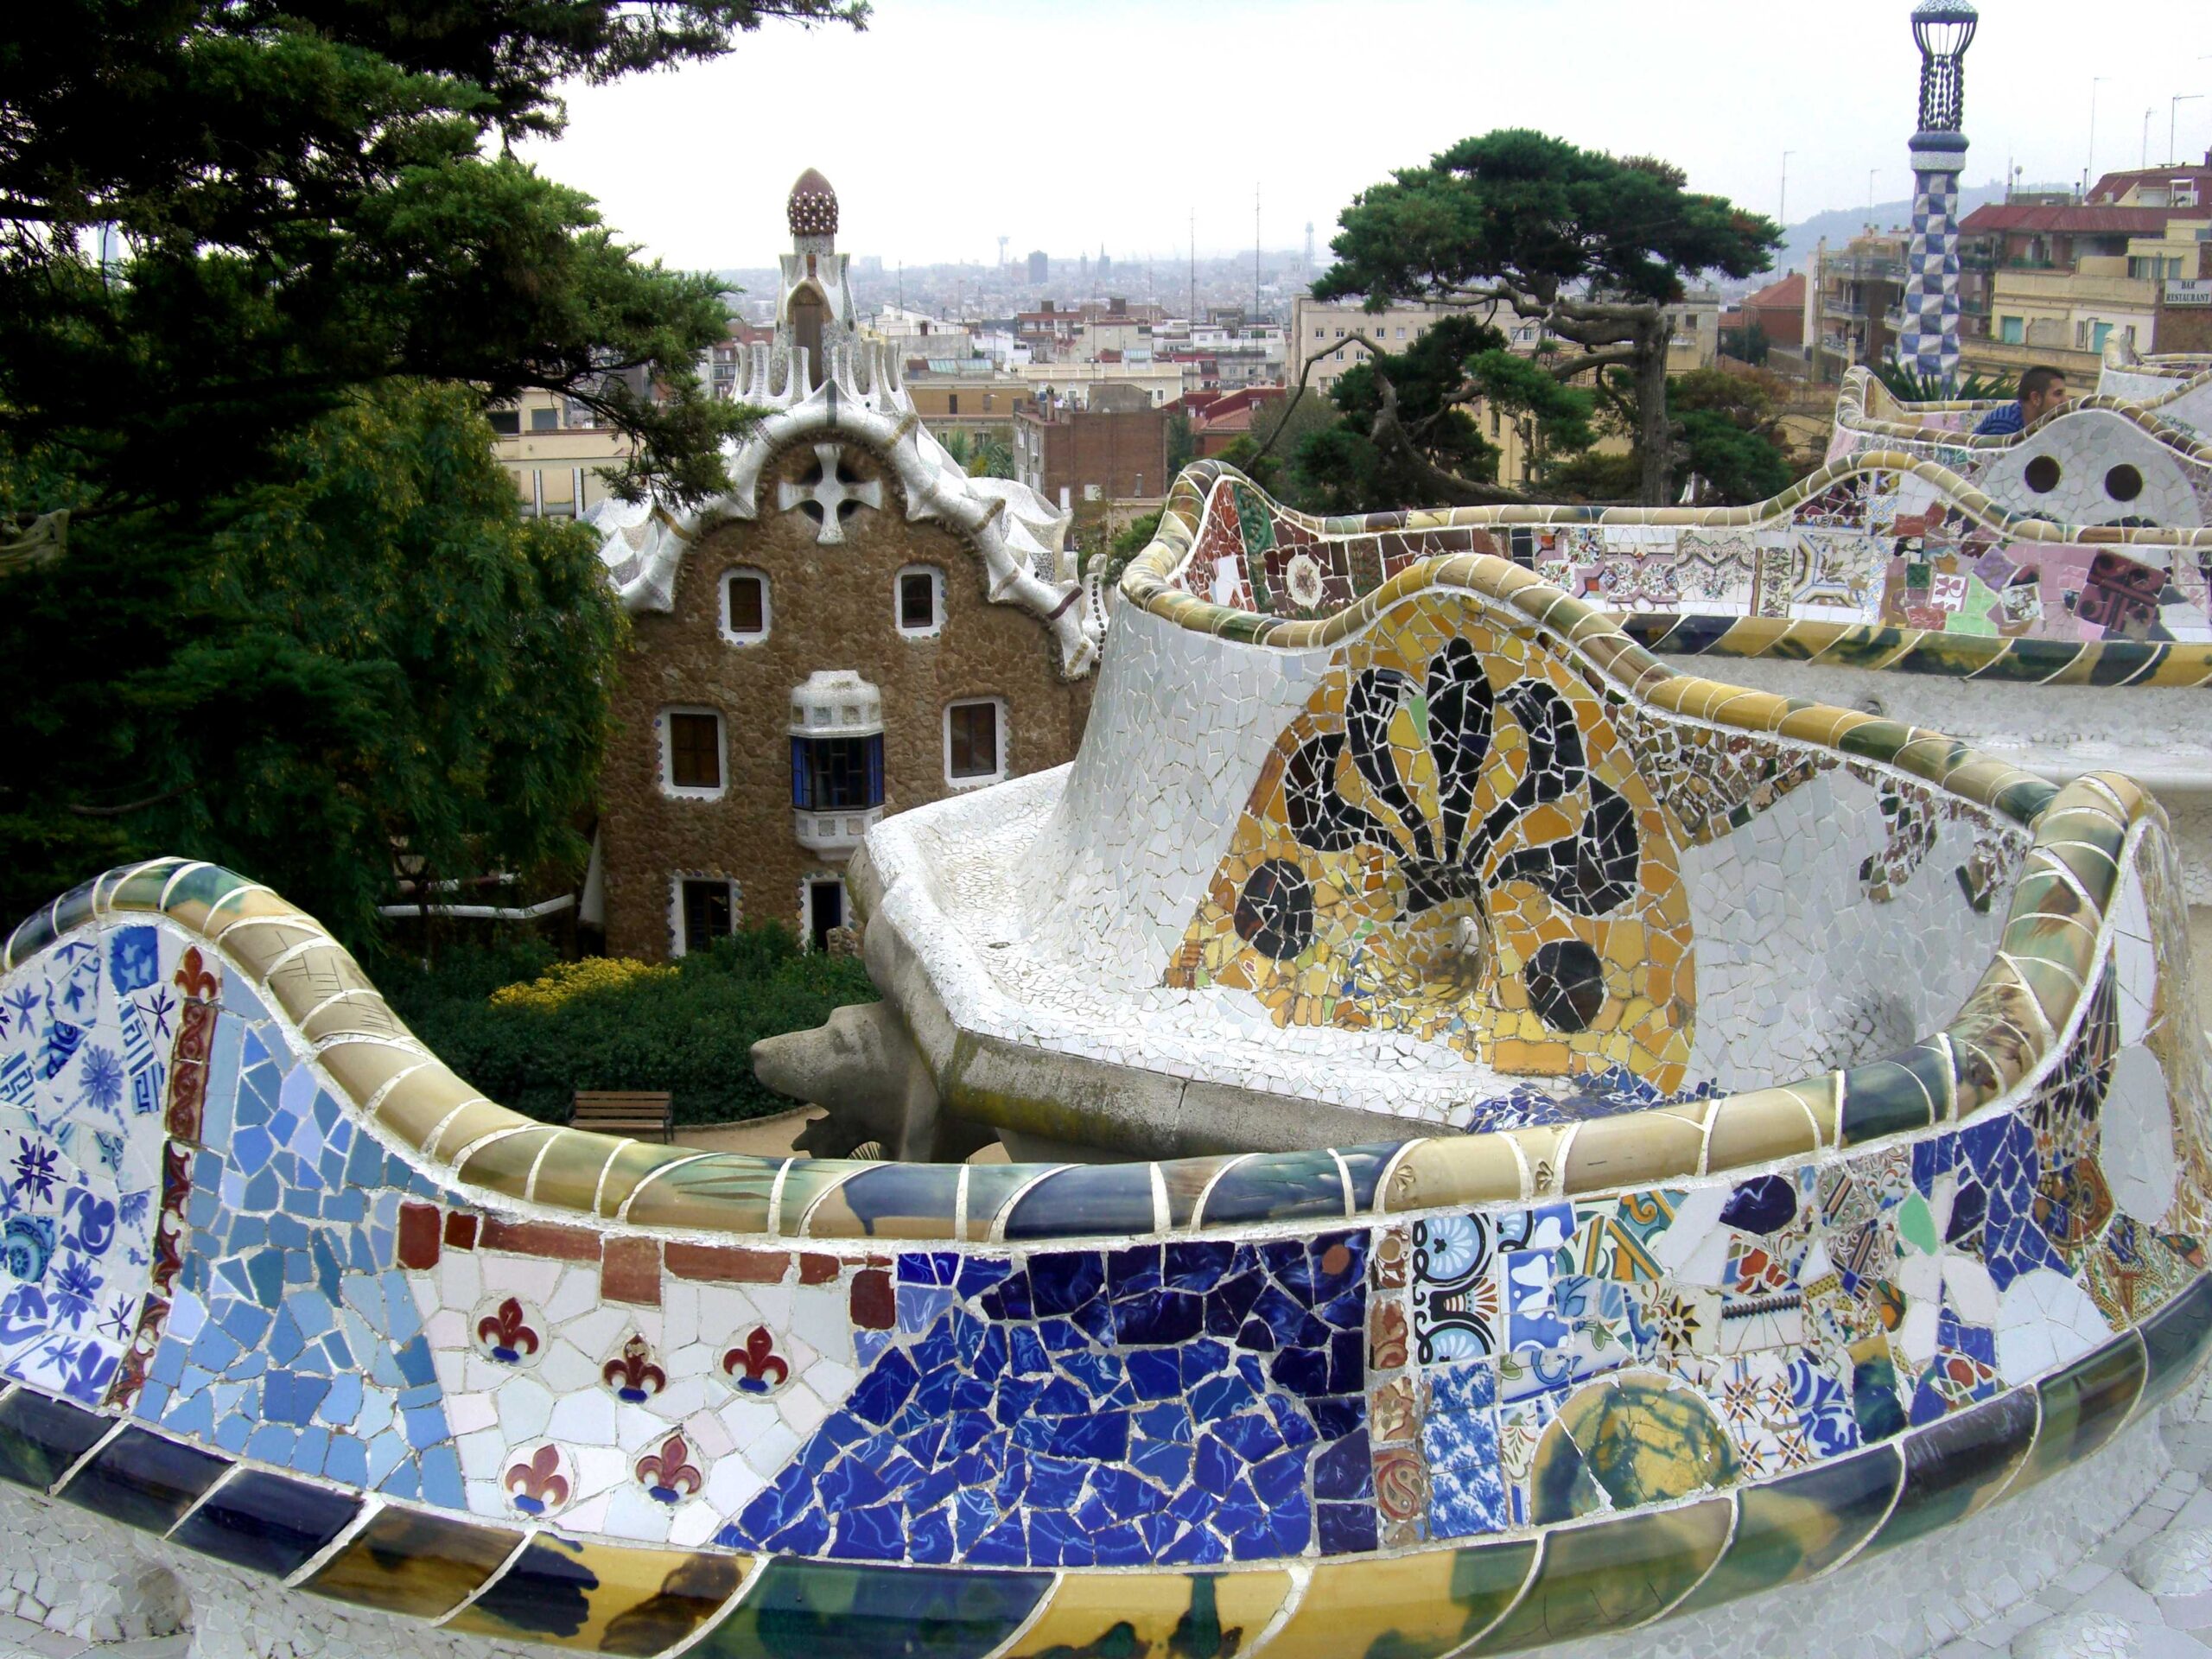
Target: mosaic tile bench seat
2102	460
2156	379
1715	1315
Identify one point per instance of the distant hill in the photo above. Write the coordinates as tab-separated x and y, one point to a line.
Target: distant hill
1839	225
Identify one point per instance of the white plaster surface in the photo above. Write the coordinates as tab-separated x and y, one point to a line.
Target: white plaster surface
1797	972
2158	736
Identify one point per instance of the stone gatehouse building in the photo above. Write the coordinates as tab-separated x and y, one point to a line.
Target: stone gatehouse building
855	628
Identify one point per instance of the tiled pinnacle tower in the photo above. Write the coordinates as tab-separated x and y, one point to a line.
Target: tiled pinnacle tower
1929	343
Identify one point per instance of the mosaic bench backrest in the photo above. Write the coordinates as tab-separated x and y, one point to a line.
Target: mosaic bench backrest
2179	386
1469	835
280	1287
1883	559
2102	460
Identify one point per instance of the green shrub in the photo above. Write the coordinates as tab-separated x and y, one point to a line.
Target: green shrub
689	1032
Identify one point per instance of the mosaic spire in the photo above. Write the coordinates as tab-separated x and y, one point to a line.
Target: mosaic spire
1929	342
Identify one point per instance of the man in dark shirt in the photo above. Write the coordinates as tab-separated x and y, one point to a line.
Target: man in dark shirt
2042	390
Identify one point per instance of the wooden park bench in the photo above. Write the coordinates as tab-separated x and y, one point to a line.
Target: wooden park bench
643	1114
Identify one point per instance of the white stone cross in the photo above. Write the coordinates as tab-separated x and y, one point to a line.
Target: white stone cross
832	494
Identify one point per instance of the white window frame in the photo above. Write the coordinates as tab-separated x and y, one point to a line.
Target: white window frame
678	944
1005	734
807	884
730	635
937	601
664	731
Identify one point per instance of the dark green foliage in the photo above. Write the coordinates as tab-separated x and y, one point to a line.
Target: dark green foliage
1731	437
1594	244
1739	467
1354	464
1747	345
298	626
376	652
1909	386
1541	214
314	196
1182	448
690	1035
1727	435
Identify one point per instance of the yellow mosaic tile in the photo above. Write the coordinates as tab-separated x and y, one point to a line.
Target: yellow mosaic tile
1524	905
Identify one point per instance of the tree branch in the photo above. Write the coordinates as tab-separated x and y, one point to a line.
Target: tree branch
84	811
1305	370
1387	431
1568	370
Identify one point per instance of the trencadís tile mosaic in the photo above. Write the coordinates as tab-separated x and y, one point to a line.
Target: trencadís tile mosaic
1741	1281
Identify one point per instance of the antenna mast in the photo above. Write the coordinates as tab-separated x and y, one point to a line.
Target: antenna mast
1256	251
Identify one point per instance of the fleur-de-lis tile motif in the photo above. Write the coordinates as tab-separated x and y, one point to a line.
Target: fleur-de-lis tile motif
757	1368
505	1334
668	1474
194	980
536	1484
633	1375
1453	839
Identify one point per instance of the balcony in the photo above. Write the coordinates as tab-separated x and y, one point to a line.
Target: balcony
834	833
2060	288
836	737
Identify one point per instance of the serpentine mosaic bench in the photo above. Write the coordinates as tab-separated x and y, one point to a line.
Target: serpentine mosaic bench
2179	384
1846	1174
2101	460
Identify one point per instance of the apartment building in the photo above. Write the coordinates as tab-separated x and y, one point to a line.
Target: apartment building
1323	332
555	448
2065	278
1113	448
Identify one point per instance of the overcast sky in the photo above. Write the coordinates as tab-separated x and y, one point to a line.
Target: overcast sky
1066	126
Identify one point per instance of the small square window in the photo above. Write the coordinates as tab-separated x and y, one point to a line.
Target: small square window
695	751
745	606
971	742
918	611
505	422
546	420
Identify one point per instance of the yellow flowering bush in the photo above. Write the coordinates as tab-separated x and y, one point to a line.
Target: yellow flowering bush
565	981
529	1032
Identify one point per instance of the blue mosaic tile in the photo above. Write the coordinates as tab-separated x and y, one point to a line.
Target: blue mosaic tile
1091	1407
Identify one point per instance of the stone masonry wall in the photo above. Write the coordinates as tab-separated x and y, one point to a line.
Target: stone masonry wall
829	607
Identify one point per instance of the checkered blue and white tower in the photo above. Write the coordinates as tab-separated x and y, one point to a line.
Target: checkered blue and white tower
1929	342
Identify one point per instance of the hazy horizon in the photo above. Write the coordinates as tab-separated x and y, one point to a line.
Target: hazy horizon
1112	162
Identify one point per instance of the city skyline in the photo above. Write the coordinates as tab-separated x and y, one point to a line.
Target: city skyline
1045	176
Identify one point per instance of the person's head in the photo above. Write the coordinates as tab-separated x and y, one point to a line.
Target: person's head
2042	390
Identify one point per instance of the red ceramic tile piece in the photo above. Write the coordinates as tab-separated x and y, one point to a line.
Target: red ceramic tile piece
630	1271
418	1236
540	1238
461	1230
817	1269
875	1304
726	1264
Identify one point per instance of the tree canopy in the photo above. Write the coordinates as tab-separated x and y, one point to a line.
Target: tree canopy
318	196
1594	246
269	599
1403	436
